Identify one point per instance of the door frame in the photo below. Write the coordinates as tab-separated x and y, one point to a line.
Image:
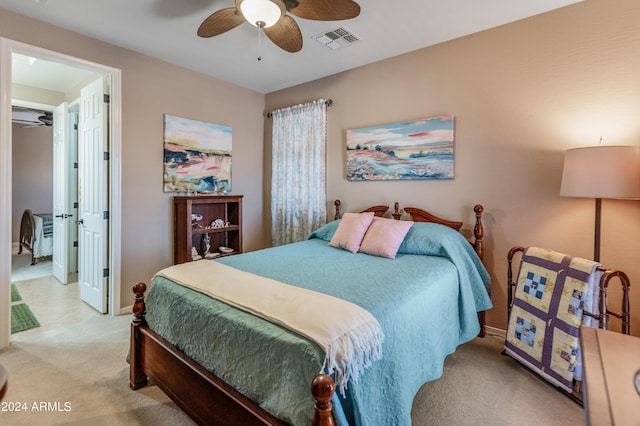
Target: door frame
62	193
7	47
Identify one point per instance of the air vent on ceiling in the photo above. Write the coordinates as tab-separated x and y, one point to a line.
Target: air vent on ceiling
340	37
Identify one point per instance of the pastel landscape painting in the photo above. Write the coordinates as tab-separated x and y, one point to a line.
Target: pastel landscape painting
418	149
197	156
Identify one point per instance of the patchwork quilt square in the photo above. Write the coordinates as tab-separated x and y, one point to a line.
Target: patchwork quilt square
534	285
526	333
564	354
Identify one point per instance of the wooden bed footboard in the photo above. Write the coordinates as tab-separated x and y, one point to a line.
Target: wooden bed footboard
27	234
203	396
27	237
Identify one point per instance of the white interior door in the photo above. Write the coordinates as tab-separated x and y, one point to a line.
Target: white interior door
93	148
62	216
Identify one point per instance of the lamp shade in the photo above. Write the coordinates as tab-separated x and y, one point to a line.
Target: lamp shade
262	13
602	172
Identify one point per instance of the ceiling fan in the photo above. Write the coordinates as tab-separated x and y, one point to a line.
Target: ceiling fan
271	17
31	118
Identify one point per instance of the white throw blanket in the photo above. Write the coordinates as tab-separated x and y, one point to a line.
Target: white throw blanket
42	246
349	335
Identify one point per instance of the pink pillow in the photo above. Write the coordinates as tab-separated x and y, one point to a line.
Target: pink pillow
384	236
351	230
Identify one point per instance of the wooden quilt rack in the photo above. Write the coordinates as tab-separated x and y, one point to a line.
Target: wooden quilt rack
602	317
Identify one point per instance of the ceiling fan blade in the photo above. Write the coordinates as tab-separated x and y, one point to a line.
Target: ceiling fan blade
325	10
285	34
220	22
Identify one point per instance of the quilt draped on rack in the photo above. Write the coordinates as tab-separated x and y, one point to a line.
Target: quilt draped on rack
47	224
552	292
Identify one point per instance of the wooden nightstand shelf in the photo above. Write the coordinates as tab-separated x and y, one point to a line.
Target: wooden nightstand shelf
190	233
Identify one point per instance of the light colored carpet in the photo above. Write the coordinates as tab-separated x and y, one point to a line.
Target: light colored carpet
74	366
22	269
480	386
77	358
81	366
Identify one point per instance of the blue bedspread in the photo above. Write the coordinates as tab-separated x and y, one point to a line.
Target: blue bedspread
426	301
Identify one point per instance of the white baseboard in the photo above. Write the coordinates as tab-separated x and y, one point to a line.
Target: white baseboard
493	331
127	310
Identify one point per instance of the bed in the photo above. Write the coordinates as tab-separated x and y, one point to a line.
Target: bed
36	235
222	365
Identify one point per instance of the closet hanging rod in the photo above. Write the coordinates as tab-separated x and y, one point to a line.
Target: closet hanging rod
328	102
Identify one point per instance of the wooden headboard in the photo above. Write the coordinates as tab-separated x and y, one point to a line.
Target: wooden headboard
420	215
377	210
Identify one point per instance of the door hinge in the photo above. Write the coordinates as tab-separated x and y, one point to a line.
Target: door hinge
75	165
75	205
75	244
105	272
107	98
106	156
106	215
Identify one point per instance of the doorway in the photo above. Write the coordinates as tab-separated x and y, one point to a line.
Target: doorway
44	159
7	48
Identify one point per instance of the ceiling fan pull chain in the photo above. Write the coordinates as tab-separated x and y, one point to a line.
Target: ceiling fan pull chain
260	41
259	44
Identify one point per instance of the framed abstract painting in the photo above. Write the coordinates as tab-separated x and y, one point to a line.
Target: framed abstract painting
197	156
417	149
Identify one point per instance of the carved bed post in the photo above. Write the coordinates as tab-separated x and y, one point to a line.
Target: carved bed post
478	246
478	231
323	388
137	377
337	215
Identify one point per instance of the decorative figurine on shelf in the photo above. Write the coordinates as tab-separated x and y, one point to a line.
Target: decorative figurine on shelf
205	244
194	254
194	220
218	223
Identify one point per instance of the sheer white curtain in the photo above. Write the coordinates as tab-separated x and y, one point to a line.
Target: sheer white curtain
298	192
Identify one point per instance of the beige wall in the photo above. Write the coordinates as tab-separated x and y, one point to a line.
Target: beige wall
151	88
36	94
32	171
521	95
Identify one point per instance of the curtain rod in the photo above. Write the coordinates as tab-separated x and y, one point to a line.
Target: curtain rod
328	103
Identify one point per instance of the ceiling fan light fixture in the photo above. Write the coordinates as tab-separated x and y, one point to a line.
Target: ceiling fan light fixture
262	13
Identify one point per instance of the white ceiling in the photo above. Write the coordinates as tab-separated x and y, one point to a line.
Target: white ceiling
166	29
46	74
